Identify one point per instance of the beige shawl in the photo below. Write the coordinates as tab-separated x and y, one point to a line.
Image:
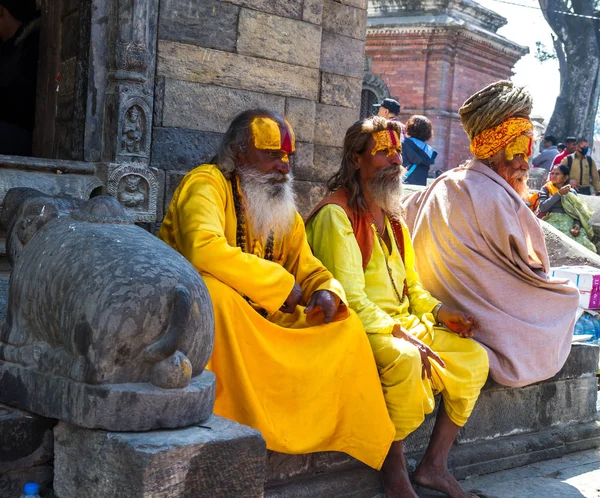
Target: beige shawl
480	249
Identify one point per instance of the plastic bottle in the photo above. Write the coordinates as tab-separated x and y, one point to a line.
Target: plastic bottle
31	490
587	325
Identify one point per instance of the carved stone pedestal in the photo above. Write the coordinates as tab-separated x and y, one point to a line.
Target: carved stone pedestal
218	458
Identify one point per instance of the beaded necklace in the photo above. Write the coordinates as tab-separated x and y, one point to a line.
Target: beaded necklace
389	270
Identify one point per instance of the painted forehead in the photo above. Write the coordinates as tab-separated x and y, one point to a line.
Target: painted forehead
386	140
267	134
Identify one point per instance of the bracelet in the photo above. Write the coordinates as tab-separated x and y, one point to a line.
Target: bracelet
435	311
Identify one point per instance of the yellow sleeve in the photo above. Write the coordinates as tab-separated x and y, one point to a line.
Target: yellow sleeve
332	239
200	238
421	301
310	273
595	177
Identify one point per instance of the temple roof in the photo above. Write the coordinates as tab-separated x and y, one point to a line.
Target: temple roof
457	14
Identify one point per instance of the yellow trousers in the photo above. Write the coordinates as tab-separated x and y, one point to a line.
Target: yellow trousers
409	397
305	388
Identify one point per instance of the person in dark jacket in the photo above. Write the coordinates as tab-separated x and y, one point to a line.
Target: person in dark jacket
417	155
19	49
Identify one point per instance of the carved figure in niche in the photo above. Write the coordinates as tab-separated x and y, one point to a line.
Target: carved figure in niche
96	300
133	130
131	192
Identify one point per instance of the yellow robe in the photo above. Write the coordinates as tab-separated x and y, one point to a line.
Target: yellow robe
306	388
371	294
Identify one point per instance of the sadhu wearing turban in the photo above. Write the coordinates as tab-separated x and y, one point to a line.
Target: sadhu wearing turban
485	248
291	359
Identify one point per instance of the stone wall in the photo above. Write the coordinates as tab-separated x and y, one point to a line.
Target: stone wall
301	58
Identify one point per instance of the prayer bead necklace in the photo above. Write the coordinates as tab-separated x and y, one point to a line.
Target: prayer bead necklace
382	242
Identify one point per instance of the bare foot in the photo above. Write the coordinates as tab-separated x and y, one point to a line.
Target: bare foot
441	480
396	484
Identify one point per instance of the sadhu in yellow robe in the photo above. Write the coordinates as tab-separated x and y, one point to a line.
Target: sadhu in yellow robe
305	388
376	294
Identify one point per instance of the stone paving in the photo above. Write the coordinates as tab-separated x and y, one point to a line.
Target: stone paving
573	476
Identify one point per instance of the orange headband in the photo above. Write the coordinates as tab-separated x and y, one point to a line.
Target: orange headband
492	140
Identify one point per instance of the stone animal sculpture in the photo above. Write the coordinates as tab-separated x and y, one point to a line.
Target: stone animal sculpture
97	300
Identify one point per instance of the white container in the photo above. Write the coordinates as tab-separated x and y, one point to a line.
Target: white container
586	279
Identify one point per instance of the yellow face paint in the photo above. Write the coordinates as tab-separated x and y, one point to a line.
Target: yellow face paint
268	135
386	140
520	145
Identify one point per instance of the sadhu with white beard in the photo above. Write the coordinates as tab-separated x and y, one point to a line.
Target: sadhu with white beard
291	359
485	248
421	346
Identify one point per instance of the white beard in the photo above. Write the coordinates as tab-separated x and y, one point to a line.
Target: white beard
385	189
269	205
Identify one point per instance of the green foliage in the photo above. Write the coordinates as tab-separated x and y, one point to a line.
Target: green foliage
542	53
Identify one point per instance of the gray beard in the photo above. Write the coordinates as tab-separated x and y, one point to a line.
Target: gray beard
385	188
269	205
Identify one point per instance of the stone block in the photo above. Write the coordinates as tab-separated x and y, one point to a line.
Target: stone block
182	149
327	160
563	250
568	401
120	407
26	450
303	163
301	114
331	123
212	67
344	20
359	4
360	482
308	194
289	8
582	361
313	11
210	23
218	458
342	55
501	412
172	181
276	38
340	90
281	467
210	108
333	461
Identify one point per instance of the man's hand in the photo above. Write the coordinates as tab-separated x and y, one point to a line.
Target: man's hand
457	321
322	307
292	300
424	351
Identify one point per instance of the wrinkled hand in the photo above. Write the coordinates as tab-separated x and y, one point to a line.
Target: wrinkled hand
292	300
425	351
564	190
575	230
463	325
322	307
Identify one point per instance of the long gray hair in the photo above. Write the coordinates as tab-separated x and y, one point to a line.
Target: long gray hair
357	140
237	137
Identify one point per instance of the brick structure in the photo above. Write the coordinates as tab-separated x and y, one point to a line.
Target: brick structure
434	54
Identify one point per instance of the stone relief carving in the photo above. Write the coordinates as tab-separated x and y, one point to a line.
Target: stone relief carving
136	188
133	130
111	321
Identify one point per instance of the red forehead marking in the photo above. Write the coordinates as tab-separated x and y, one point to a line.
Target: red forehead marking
286	142
393	138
